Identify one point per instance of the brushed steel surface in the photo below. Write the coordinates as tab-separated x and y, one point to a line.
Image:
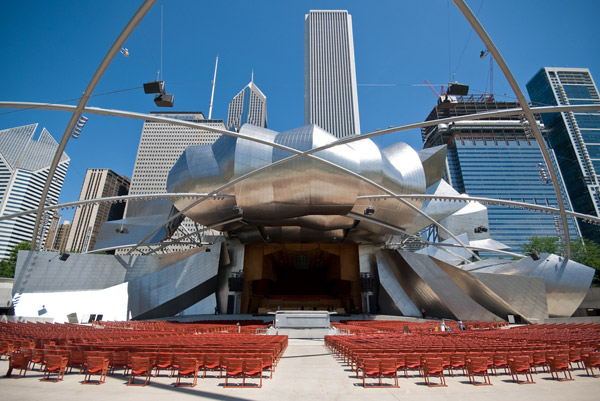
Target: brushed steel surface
566	281
389	278
434	163
526	295
303	199
448	293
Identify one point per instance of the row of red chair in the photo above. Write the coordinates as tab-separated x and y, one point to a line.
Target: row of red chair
554	348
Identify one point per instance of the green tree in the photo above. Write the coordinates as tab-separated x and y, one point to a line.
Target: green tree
587	253
7	266
541	245
583	251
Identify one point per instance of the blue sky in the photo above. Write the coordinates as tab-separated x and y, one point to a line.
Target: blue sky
51	49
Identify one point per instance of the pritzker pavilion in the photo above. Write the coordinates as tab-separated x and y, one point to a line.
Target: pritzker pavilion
307	221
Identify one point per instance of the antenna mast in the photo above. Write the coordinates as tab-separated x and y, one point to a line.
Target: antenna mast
212	95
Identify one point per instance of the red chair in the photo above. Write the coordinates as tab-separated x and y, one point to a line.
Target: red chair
37	356
500	361
140	366
234	369
575	357
164	360
5	349
560	363
458	361
55	364
371	368
120	360
188	367
401	363
388	368
478	366
539	359
590	362
77	360
96	365
252	369
268	363
434	367
519	365
18	360
212	362
413	362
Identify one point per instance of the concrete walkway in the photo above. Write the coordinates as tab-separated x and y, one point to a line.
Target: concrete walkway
307	371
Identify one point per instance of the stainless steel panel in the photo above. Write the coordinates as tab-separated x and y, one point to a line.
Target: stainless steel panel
465	220
479	292
446	290
304	193
436	209
389	279
434	163
527	295
567	281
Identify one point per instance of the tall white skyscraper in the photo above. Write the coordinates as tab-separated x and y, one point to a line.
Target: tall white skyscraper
98	183
24	166
330	95
249	106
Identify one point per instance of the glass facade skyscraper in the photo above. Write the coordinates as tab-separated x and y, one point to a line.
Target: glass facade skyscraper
330	94
249	106
575	137
24	166
496	158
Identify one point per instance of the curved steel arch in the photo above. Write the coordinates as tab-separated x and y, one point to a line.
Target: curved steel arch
114	49
491	47
461	5
309	153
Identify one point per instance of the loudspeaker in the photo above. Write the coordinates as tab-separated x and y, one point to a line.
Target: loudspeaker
458	89
154	87
164	100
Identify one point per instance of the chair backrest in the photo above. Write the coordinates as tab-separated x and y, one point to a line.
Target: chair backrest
371	366
252	366
519	362
413	360
97	363
433	365
457	359
55	362
18	360
478	363
188	365
387	366
140	364
234	366
559	361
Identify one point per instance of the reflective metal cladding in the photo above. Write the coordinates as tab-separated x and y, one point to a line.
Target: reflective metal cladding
306	199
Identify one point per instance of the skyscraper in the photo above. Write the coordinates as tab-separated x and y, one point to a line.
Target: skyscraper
497	158
249	106
575	137
330	95
160	146
98	183
24	166
62	235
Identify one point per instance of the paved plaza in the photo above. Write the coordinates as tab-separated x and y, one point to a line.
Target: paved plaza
307	371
